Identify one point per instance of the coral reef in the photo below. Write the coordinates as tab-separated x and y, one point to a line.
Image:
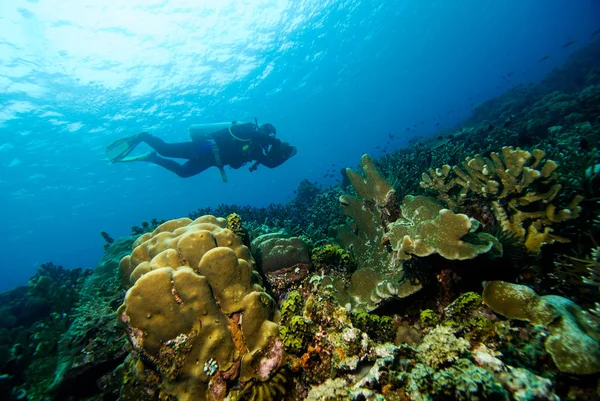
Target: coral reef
383	234
370	212
198	315
574	336
440	347
331	257
426	228
520	186
283	260
194	303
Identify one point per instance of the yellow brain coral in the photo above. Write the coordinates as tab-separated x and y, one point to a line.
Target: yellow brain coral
196	313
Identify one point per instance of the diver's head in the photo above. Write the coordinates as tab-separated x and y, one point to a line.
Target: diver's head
267	129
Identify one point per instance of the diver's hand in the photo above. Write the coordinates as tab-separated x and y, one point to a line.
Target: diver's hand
287	150
254	167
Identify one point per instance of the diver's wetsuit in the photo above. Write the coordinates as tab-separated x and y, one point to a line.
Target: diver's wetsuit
251	145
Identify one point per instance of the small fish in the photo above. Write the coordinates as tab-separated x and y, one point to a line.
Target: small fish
596	32
543	59
437	125
569	43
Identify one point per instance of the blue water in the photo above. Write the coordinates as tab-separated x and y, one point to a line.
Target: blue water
334	77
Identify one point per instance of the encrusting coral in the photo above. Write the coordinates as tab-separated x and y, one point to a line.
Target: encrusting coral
574	336
196	314
520	187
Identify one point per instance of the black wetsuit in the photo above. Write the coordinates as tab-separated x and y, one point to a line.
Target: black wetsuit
250	145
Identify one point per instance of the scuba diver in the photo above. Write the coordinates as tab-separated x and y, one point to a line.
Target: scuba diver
220	144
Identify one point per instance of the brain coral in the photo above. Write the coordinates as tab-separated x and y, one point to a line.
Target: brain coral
196	314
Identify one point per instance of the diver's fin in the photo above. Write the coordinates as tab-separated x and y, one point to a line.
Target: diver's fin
119	149
140	158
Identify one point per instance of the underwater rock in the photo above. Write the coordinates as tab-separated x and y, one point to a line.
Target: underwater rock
283	260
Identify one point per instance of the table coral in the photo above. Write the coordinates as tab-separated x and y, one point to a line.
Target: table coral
426	228
196	314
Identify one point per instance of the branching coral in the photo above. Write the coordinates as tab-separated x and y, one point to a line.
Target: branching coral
520	187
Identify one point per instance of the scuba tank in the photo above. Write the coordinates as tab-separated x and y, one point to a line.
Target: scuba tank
201	132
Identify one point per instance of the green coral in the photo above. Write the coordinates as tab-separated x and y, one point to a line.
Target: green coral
463	306
461	381
292	305
330	390
460	316
428	318
294	329
379	328
332	257
465	381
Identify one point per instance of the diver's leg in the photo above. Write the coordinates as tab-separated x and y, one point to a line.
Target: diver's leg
188	169
180	150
